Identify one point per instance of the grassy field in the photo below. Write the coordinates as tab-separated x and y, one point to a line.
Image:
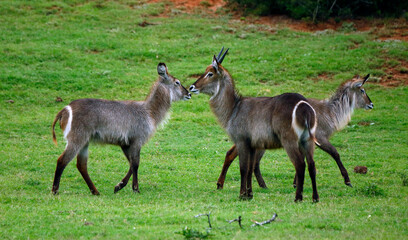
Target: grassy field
81	49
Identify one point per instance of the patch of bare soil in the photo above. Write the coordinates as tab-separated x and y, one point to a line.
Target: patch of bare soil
190	5
323	76
208	4
396	75
383	29
397	30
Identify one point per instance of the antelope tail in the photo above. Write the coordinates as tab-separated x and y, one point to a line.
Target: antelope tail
313	137
304	121
57	118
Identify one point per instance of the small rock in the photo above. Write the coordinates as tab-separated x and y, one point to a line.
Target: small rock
230	30
216	28
145	24
323	32
176	11
360	169
243	36
86	223
10	101
58	99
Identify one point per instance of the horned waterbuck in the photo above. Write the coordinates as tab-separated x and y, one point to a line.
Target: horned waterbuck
333	114
258	123
128	124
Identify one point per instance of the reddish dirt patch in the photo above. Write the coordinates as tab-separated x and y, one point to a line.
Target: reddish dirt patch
382	29
398	26
323	76
396	29
395	75
190	5
281	20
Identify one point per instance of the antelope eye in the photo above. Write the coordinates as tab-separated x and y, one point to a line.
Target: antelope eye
362	90
210	74
177	82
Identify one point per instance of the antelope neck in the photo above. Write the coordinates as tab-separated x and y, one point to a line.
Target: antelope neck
225	100
342	105
158	103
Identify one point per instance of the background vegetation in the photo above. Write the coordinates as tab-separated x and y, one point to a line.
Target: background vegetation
79	49
323	9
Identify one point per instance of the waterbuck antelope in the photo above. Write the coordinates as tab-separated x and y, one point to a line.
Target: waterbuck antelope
258	123
128	124
333	114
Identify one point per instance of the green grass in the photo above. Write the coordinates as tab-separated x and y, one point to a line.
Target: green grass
80	49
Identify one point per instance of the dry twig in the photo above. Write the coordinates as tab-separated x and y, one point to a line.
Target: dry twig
236	220
264	222
208	216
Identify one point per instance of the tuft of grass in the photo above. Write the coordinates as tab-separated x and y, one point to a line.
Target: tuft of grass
404	178
205	4
371	190
348	27
190	233
403	70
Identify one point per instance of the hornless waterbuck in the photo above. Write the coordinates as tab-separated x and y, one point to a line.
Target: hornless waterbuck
333	114
258	123
128	124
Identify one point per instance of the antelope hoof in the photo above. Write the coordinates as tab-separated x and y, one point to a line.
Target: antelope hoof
263	185
95	193
298	199
119	186
136	191
349	184
316	200
246	197
54	190
220	186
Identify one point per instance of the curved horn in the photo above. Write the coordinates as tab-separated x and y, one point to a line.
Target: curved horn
366	78
222	58
219	54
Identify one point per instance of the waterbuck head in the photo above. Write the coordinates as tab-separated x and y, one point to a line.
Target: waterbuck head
176	90
361	98
209	82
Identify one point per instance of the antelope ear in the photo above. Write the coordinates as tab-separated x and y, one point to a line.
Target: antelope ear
366	78
163	73
215	63
358	83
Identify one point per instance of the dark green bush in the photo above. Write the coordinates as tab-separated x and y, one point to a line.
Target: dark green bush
323	9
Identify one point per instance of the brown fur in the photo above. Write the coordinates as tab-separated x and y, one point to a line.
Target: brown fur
331	113
128	124
255	124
